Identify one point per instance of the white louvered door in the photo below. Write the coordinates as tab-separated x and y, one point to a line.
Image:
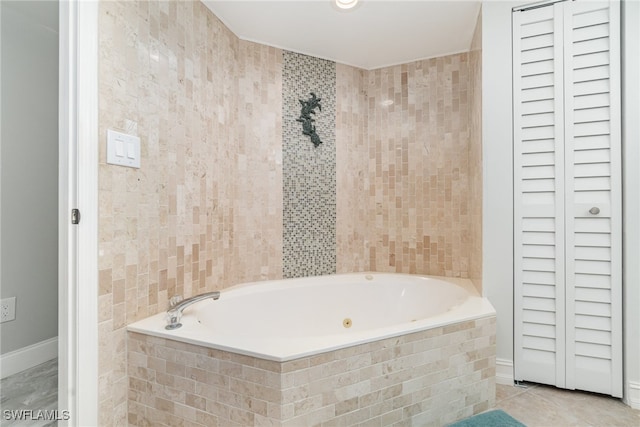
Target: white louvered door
567	199
539	196
593	196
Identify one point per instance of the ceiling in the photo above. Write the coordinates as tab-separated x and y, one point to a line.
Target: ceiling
374	34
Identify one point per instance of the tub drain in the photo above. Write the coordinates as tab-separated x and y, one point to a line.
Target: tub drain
346	322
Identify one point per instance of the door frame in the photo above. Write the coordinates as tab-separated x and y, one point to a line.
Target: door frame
78	188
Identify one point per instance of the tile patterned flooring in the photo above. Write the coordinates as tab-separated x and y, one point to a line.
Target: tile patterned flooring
546	406
534	405
34	389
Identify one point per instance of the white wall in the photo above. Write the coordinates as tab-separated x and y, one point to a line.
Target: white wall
497	164
631	195
497	189
29	171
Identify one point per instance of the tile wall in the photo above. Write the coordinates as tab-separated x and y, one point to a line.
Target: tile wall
352	165
205	210
258	179
418	127
431	377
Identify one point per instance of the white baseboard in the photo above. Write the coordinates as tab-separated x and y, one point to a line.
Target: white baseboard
633	396
504	372
28	357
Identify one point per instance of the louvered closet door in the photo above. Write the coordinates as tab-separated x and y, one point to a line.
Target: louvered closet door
567	208
593	197
539	199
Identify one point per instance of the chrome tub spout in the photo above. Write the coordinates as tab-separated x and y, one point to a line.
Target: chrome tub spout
174	314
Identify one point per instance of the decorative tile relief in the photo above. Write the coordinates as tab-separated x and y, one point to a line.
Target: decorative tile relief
475	156
432	377
418	167
352	165
309	173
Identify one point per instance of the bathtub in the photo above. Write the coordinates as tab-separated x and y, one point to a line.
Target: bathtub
366	348
288	319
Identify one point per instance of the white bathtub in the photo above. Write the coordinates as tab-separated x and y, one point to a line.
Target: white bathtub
288	319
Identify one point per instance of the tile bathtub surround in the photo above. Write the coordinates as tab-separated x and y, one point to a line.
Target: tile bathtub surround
426	378
258	195
205	211
408	174
209	189
352	165
309	173
418	127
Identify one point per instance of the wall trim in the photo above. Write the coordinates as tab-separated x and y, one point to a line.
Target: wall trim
28	357
633	397
504	371
78	244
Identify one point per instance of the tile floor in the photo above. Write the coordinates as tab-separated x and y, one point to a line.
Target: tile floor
534	405
546	406
34	389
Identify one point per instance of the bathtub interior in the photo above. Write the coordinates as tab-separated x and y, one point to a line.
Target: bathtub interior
277	321
319	309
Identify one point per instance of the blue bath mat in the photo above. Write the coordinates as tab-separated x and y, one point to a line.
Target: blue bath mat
495	418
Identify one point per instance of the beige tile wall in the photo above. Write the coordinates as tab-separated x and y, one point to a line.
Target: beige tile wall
432	377
419	219
475	156
352	165
257	239
204	210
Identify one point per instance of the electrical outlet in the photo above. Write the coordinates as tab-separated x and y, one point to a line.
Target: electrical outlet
7	309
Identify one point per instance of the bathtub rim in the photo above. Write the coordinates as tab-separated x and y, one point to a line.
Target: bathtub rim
474	308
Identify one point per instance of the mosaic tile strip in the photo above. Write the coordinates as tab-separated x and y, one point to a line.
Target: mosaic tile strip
309	173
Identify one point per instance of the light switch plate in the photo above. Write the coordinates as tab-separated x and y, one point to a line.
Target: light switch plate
123	149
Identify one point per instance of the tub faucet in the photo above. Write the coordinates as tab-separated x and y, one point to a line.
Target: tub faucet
177	306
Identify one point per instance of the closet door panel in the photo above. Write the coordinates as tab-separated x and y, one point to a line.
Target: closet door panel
539	206
592	201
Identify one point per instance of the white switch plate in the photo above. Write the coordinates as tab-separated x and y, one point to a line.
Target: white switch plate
123	149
